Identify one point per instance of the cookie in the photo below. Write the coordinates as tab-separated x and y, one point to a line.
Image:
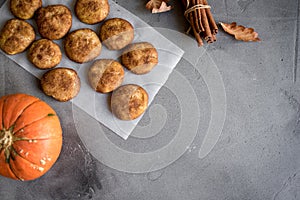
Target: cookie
24	9
16	36
53	21
44	54
63	84
128	102
140	58
105	75
91	11
82	45
116	33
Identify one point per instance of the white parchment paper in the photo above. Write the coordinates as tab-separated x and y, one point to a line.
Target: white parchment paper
96	104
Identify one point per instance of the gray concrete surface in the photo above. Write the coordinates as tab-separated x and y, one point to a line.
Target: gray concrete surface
257	155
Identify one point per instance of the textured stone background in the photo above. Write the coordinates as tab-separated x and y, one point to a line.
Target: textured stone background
257	155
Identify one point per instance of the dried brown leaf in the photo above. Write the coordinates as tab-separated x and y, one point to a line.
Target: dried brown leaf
163	8
155	4
241	32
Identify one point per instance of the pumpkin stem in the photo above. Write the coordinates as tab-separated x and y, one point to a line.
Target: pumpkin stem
6	141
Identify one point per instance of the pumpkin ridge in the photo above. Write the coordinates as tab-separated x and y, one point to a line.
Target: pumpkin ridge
10	113
33	139
14	132
14	141
2	113
17	154
5	168
34	165
13	123
13	172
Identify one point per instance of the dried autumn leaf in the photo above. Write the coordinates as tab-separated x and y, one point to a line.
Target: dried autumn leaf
155	4
241	32
163	8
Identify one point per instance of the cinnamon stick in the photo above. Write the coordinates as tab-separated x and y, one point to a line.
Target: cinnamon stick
196	33
211	20
214	38
201	20
197	16
190	17
204	20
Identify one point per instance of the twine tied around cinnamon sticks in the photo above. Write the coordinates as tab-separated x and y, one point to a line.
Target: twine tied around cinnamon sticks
198	13
195	7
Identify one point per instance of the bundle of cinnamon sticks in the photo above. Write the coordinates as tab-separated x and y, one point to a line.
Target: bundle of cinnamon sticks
201	20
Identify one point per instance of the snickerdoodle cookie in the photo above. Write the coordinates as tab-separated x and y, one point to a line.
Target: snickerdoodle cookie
128	102
82	45
63	84
53	21
116	33
105	75
24	9
140	58
91	11
44	54
16	36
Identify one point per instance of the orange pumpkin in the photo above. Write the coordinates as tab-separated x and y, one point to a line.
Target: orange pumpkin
30	137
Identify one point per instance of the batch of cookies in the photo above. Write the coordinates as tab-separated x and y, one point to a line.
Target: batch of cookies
81	46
